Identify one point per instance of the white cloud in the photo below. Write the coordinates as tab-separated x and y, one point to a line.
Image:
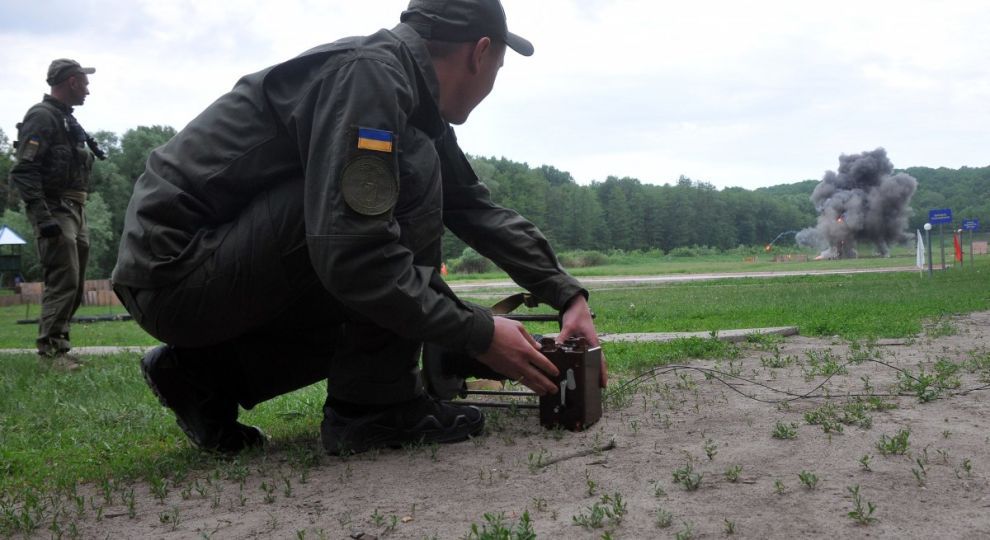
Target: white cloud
735	93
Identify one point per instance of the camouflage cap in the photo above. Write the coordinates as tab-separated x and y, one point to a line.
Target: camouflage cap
463	20
63	68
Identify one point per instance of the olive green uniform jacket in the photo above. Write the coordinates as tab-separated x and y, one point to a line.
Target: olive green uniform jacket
371	210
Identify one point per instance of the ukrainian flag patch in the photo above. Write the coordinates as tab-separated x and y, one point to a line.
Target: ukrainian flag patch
378	140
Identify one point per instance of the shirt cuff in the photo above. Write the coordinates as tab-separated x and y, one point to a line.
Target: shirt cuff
481	333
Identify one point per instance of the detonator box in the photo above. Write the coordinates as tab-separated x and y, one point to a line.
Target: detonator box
578	401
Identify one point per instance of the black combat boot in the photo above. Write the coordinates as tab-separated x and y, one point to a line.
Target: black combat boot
205	414
351	428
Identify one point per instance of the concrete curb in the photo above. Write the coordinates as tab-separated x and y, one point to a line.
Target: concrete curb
733	336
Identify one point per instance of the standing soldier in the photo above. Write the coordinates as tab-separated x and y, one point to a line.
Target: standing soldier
52	177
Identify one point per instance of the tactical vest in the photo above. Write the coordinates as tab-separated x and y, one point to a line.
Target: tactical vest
67	163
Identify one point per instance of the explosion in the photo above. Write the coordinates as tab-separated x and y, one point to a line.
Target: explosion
863	201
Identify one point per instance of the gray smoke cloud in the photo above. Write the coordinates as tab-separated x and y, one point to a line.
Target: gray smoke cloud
863	201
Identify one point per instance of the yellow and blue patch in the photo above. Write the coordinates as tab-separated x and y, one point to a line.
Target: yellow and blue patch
378	140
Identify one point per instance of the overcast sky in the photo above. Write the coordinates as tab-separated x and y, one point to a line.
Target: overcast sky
734	93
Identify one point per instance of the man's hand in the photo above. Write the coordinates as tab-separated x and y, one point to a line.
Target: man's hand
576	322
514	353
49	229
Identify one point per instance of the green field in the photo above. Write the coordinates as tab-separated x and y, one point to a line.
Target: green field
102	424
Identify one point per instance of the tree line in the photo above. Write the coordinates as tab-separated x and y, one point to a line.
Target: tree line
614	214
110	184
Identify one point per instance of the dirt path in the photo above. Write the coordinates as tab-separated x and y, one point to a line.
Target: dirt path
678	419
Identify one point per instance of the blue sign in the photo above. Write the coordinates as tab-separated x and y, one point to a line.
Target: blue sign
971	224
937	217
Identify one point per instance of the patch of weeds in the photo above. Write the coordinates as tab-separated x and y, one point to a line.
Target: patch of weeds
822	363
685	382
784	431
658	490
269	490
537	460
924	386
876	403
979	362
711	449
590	485
494	421
609	508
664	518
686	477
859	353
809	479
377	518
687	533
947	374
159	488
170	518
898	444
733	368
129	501
940	327
864	462
779	487
732	473
854	414
618	396
730	527
765	342
777	361
826	416
921	473
861	514
966	465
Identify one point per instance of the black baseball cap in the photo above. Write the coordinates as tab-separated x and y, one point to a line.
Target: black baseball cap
63	68
463	20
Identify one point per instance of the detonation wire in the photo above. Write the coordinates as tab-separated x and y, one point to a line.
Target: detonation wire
717	375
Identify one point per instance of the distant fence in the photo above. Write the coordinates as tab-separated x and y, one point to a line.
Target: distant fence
96	292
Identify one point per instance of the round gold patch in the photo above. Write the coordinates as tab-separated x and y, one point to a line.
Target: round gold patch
369	186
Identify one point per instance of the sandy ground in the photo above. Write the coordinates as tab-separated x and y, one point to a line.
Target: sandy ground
678	418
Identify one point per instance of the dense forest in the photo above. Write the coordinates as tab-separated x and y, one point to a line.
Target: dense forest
614	214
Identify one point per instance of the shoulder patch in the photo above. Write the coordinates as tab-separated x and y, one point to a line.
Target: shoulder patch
369	185
378	140
29	150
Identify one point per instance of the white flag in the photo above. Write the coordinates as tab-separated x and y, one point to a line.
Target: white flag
920	260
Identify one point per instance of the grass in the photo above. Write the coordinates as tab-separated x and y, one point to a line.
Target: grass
22	336
102	423
651	263
855	306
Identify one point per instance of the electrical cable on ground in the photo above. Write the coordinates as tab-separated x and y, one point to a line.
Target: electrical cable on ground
810	394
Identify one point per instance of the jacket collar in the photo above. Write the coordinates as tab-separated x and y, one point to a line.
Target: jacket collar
51	100
428	114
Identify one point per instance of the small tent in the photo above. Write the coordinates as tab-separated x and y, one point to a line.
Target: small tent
10	254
